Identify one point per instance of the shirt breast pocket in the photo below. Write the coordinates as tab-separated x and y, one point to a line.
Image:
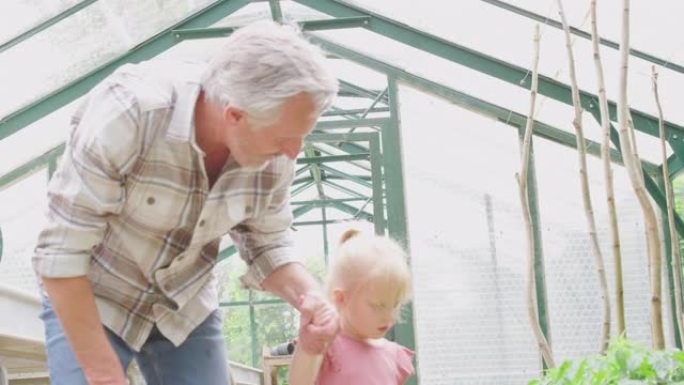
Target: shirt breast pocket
154	207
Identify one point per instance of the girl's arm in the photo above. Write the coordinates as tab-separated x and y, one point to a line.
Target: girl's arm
304	368
305	365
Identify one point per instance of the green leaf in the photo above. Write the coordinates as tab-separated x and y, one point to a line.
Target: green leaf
625	363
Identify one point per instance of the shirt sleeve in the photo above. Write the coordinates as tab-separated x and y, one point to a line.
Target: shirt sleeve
89	185
265	242
404	364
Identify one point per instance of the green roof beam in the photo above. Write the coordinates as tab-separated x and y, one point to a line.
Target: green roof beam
45	24
276	12
309	25
480	62
469	102
332	158
32	166
585	35
143	51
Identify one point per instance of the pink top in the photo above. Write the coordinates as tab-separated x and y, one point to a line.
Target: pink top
351	361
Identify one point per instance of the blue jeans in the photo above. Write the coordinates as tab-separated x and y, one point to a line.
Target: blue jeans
200	360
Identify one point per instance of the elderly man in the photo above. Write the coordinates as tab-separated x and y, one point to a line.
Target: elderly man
161	162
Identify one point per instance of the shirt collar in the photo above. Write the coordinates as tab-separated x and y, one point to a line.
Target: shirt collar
182	125
186	88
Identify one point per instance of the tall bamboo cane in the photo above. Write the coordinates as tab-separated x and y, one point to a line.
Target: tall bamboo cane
542	343
628	146
586	194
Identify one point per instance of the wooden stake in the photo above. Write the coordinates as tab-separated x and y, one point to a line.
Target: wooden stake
586	194
542	343
674	238
633	165
608	173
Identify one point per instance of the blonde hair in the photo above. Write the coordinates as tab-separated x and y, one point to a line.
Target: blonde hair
362	260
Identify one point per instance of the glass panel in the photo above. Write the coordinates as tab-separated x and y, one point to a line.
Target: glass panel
460	20
260	10
453	75
503	94
237	333
21	218
228	274
72	47
135	21
571	280
649	148
471	25
36	139
80	43
18	16
467	245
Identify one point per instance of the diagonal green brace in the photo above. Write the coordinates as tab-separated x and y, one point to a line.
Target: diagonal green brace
479	61
143	51
651	186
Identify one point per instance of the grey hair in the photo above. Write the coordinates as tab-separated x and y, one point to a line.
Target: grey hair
262	65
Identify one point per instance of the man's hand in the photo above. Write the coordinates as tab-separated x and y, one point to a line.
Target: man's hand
74	303
319	323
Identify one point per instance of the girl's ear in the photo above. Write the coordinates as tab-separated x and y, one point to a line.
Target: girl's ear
338	297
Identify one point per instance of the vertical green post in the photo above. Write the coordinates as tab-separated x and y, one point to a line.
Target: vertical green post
276	12
397	221
376	179
539	272
670	273
324	216
252	328
52	167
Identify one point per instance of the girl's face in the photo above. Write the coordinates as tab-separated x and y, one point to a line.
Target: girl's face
369	311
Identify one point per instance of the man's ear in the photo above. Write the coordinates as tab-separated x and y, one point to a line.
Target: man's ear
234	115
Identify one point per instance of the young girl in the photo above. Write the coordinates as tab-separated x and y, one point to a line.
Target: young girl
368	282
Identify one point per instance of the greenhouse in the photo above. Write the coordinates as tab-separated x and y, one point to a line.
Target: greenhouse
526	154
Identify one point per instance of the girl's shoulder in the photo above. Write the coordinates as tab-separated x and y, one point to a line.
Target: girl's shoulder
344	347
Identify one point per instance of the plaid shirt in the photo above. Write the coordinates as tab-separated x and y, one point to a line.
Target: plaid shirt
131	209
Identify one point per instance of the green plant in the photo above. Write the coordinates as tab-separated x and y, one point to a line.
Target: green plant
625	363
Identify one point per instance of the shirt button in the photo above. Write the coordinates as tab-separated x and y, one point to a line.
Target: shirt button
150	200
201	223
248	209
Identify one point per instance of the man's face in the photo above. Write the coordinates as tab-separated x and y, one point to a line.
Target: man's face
253	148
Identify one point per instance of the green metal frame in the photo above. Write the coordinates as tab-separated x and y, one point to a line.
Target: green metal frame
143	51
44	25
469	102
354	112
670	273
315	164
651	185
276	12
309	25
678	148
389	211
539	269
360	91
585	35
397	221
478	61
48	159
